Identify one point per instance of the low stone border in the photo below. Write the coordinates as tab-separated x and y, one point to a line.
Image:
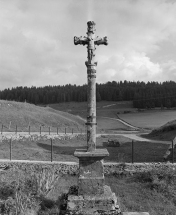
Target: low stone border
39	137
118	168
71	168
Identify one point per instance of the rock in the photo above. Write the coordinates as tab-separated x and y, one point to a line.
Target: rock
113	143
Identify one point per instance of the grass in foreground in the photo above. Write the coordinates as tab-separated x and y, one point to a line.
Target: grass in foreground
23	192
152	192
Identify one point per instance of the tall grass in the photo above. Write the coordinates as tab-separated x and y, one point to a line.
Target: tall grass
28	192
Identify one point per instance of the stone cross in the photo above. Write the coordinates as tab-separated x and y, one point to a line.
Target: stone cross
90	40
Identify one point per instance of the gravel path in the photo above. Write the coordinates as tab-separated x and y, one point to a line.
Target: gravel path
123	122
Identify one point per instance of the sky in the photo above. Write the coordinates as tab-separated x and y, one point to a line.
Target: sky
37	48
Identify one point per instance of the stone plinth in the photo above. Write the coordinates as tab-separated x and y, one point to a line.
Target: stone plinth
105	203
91	174
94	197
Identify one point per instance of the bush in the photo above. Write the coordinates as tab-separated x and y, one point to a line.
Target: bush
162	181
28	193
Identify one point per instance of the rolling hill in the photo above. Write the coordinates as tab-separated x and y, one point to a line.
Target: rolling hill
24	115
165	132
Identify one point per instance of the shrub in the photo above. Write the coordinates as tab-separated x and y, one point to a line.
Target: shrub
162	181
28	192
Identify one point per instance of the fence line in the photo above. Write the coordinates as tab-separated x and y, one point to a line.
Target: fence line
50	135
33	138
49	130
52	138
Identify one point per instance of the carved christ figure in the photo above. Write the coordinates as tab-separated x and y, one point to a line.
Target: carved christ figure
90	41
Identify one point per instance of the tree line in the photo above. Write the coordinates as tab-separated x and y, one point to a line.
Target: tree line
143	95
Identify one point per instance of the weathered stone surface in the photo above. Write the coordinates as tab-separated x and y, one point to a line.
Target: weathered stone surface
105	203
90	168
99	153
90	186
91	172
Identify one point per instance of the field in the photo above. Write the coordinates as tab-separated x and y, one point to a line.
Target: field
104	108
63	150
149	118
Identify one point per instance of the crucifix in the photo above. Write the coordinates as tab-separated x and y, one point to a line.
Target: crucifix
94	197
90	40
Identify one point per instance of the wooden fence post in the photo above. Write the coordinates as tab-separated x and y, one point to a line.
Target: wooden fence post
29	129
51	149
57	130
72	130
132	152
2	129
49	130
40	130
65	130
16	129
10	148
172	151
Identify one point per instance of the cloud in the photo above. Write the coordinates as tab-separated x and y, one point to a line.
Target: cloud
36	41
132	66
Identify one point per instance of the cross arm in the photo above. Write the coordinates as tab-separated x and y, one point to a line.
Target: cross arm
101	41
80	40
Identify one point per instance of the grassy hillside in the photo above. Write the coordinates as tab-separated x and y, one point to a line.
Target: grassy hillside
104	108
24	115
149	119
165	132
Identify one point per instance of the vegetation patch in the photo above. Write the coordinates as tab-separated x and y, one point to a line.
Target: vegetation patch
152	191
45	192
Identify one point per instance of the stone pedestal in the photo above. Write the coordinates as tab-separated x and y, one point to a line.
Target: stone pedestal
94	197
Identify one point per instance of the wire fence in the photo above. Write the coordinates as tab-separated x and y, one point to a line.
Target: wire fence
14	145
130	152
41	129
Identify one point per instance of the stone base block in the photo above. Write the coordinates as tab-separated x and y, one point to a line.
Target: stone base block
104	204
91	186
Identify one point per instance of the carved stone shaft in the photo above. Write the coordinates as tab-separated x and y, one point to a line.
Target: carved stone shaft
91	107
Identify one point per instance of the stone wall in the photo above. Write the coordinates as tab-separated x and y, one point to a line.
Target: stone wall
72	167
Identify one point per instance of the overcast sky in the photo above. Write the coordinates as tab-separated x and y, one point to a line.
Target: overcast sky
37	49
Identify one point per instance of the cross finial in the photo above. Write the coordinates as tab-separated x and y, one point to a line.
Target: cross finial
90	41
91	26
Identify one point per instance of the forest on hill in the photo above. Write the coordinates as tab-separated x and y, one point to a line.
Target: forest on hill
143	95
